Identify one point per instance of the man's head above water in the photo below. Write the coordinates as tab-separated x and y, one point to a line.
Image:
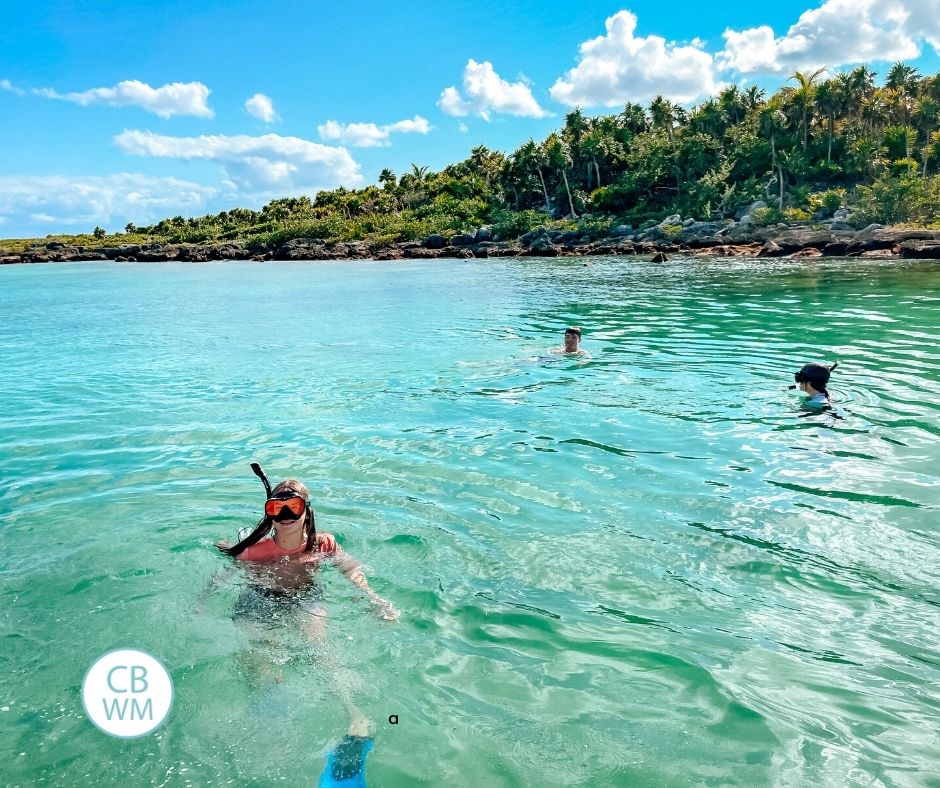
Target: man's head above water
572	339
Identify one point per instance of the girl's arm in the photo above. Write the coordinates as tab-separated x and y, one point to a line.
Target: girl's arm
221	579
350	568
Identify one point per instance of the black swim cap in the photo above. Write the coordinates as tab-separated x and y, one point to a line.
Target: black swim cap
817	375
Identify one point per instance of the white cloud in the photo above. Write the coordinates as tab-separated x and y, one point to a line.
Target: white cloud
111	200
619	67
462	127
484	91
177	98
255	165
370	135
261	107
5	84
838	32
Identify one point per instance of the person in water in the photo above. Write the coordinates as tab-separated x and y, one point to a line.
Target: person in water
813	380
281	571
572	339
287	558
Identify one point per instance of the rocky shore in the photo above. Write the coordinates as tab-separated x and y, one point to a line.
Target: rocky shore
671	237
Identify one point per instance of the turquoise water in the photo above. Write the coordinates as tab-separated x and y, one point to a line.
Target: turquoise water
649	567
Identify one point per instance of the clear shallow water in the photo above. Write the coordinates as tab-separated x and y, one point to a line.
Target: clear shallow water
645	569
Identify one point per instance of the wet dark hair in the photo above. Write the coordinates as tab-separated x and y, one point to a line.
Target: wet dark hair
266	523
573	330
817	375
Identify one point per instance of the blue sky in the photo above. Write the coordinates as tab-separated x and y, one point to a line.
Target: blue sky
116	112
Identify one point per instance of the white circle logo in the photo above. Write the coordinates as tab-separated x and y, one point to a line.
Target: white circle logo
127	693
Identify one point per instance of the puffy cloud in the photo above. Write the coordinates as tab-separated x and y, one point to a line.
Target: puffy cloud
37	204
255	165
370	135
838	32
619	67
261	107
5	84
176	98
484	91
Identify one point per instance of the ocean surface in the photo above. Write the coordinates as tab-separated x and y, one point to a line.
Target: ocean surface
643	567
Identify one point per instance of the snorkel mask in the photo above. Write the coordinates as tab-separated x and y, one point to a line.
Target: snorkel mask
284	506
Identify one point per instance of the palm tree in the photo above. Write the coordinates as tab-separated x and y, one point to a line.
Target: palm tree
867	155
709	118
857	86
926	117
633	118
829	101
532	157
559	155
771	123
753	97
901	76
663	115
732	103
576	126
388	179
803	95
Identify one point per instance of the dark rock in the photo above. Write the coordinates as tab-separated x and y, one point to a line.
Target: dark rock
464	254
659	257
621	230
699	230
835	248
873	238
389	254
920	250
484	234
434	242
654	233
422	253
808	252
529	237
771	249
464	239
155	253
543	247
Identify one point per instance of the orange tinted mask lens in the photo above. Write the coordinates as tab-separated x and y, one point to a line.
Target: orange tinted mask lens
274	506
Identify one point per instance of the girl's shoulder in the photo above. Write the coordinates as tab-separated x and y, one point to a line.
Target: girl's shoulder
263	550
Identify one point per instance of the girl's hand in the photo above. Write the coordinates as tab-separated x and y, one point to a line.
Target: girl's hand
384	609
326	543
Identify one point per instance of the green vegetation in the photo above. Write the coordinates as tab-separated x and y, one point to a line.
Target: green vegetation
810	149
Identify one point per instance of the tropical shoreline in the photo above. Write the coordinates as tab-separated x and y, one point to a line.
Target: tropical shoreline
670	237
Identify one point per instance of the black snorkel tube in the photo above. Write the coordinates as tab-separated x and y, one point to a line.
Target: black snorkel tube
261	475
259	472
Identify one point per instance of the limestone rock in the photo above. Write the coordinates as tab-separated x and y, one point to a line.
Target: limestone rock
434	241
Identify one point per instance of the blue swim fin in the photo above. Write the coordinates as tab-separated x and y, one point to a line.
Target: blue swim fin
346	764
